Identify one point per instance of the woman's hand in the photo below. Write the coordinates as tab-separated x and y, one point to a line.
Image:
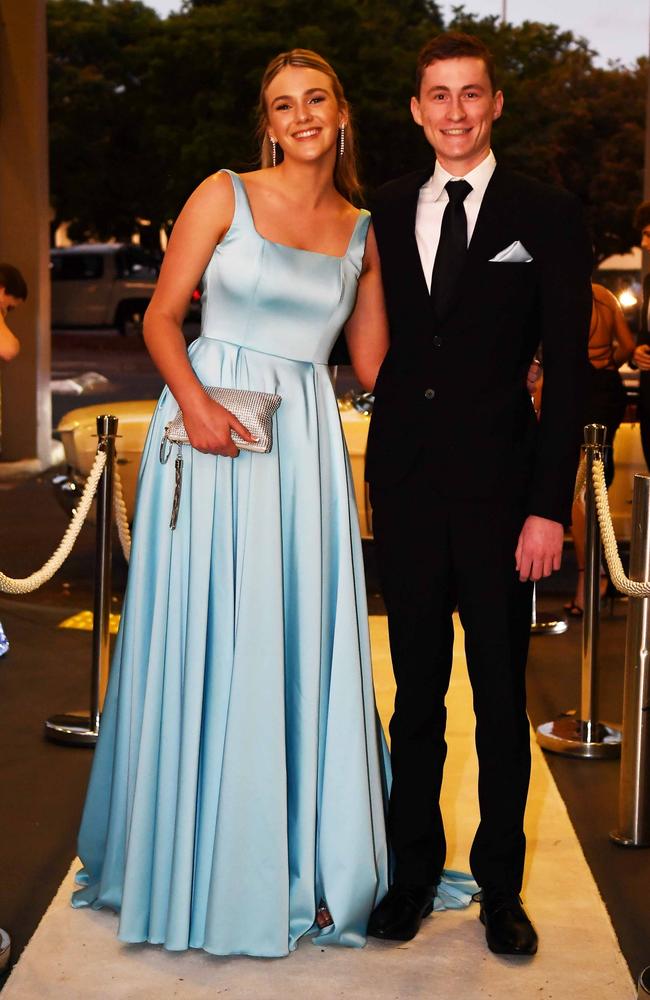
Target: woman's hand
641	357
209	426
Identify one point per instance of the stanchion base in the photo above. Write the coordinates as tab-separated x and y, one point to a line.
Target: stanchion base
624	840
549	626
71	729
566	735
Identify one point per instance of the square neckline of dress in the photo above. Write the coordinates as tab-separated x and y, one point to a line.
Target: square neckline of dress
286	246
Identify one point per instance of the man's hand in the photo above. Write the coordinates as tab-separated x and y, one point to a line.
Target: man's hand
641	357
539	549
534	373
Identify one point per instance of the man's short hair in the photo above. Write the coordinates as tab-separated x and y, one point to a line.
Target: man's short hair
642	216
454	45
13	282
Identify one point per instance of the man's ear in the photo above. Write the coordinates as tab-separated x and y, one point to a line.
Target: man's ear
498	105
415	111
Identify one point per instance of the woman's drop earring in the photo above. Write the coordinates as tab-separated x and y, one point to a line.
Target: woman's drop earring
342	140
273	148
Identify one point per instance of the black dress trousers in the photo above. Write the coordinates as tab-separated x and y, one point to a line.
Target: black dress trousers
436	554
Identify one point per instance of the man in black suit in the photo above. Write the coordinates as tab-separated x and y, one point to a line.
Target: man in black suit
469	492
642	352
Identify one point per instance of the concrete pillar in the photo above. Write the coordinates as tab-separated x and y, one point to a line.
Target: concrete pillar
24	236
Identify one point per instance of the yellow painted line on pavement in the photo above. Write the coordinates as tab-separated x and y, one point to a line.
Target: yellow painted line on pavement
84	622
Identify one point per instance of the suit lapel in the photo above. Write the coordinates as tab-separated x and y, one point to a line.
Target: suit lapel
495	209
406	208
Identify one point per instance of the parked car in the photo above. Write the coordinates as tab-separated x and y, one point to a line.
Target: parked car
78	432
101	285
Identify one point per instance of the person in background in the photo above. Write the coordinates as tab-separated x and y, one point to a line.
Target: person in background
13	292
610	344
641	356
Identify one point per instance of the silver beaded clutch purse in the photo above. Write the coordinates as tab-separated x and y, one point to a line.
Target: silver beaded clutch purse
253	409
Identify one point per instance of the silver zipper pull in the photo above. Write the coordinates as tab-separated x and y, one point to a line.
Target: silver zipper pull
178	471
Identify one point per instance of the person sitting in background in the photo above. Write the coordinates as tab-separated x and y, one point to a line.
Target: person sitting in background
13	291
610	344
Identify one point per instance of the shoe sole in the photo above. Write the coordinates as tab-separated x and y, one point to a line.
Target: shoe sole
428	910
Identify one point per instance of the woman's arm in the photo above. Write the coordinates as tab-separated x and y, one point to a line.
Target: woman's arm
366	331
202	224
621	332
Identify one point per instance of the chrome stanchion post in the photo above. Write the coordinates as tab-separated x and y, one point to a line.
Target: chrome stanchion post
594	442
585	736
106	429
76	728
634	789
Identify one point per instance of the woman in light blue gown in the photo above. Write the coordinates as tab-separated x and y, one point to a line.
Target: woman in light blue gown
238	785
236	801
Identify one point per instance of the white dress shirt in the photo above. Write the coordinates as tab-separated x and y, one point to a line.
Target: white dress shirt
432	202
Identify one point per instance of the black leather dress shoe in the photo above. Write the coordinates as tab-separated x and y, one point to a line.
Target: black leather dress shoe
400	913
508	930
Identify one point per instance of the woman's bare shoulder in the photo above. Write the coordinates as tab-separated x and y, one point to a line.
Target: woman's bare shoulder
604	297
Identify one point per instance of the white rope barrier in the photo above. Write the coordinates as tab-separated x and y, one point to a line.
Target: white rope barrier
617	574
121	519
29	583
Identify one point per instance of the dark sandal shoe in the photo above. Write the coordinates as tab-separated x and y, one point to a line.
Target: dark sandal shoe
574	610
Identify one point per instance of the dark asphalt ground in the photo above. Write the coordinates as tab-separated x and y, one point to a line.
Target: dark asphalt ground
47	672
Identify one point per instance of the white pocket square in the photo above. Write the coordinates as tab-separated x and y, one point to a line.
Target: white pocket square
516	253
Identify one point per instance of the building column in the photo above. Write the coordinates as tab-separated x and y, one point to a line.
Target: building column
24	227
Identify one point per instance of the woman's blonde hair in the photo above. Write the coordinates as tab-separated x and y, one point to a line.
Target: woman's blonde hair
346	177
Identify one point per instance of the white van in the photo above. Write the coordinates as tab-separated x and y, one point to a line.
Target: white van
101	284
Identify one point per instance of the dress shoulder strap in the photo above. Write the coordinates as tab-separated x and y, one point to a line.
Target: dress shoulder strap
243	212
357	245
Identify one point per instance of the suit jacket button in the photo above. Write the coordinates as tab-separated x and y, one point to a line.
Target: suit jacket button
429	393
437	341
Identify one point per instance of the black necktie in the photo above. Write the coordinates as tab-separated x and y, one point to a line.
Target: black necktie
452	247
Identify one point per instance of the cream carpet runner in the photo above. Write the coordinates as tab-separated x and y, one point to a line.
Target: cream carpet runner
75	954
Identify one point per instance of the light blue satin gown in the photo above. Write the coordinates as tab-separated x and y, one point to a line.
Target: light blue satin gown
239	778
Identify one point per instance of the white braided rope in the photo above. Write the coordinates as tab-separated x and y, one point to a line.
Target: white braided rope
121	518
623	583
63	550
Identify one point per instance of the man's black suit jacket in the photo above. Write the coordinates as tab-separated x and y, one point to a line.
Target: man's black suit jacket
451	391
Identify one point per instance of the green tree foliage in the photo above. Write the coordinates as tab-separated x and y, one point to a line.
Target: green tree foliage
142	108
99	160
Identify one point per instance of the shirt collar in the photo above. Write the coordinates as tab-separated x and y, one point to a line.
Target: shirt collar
478	177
